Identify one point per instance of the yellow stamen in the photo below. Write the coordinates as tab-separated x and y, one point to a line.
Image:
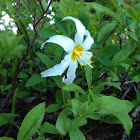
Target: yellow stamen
90	61
81	64
88	53
77	52
86	62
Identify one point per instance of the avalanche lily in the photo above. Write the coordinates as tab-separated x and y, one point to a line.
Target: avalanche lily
77	52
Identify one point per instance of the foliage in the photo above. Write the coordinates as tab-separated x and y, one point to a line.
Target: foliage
114	26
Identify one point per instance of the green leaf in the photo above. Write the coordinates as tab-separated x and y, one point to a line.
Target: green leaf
41	137
132	13
93	116
45	59
76	134
15	42
49	128
60	123
104	61
134	25
109	105
5	117
53	108
31	122
47	33
35	79
111	120
73	87
105	29
109	50
102	9
23	94
75	106
62	25
7	87
121	55
125	120
44	4
64	6
6	138
79	122
22	75
88	73
68	124
132	35
106	83
134	73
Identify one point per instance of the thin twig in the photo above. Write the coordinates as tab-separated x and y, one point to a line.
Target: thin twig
42	16
115	72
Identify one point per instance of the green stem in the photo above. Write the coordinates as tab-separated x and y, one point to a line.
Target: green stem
13	109
63	96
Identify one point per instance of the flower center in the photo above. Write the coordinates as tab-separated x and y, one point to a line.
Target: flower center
77	52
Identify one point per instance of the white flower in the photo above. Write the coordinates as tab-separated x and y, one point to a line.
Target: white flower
77	52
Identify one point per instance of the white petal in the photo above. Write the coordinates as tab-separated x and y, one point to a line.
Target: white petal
57	69
86	57
81	30
61	40
71	73
88	41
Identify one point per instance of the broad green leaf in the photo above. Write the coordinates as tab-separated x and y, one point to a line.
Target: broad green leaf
53	108
125	120
132	35
88	73
49	128
111	120
44	4
23	94
31	122
138	57
76	134
35	79
132	13
106	83
68	123
58	97
10	8
121	55
64	6
103	9
93	116
15	42
134	25
109	105
105	29
134	73
104	61
5	117
47	33
6	38
41	137
45	59
79	122
62	25
22	75
75	106
7	87
73	87
109	50
60	123
6	138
